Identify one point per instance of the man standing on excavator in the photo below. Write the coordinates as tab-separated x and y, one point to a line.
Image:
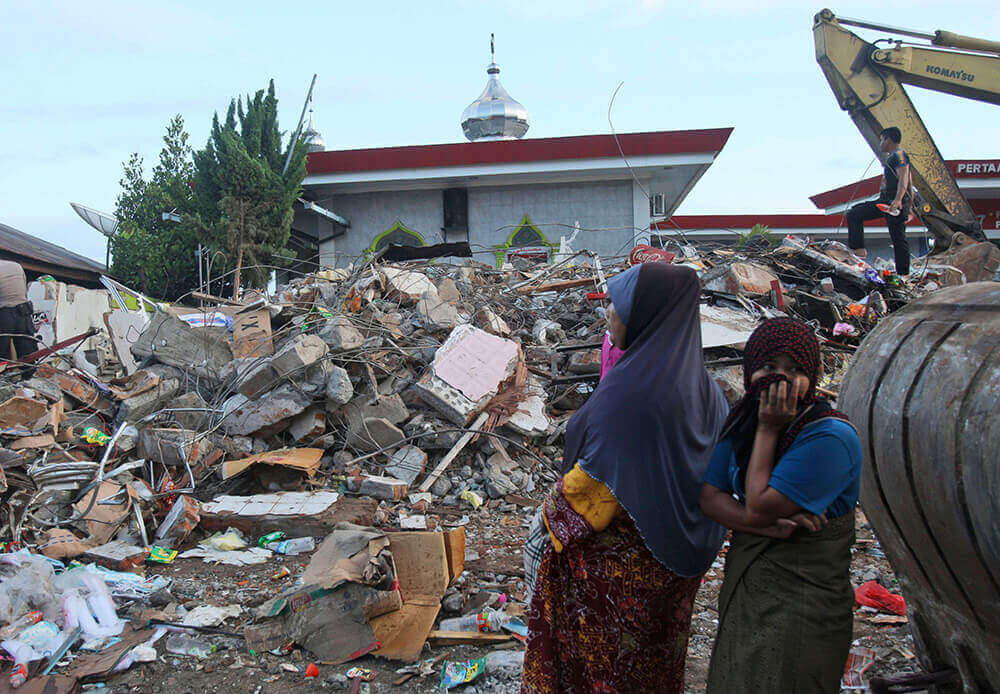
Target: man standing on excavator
893	203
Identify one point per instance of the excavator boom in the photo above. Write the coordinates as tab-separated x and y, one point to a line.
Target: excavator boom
868	83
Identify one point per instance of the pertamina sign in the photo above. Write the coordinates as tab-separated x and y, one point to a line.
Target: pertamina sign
973	168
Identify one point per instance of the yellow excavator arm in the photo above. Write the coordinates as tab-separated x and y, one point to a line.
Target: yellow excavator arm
868	82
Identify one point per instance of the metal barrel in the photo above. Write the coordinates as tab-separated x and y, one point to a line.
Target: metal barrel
922	391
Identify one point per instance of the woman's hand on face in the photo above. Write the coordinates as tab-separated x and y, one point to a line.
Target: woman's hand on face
778	405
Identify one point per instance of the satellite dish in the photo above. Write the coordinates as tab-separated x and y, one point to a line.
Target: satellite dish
105	223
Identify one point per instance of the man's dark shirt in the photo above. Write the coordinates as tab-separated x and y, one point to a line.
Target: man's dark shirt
890	179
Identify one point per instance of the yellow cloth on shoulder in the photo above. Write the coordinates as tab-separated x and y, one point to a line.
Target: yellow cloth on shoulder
588	497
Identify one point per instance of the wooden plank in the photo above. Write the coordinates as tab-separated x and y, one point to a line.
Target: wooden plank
453	453
459	638
559	286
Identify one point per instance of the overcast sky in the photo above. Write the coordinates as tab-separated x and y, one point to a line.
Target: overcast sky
86	84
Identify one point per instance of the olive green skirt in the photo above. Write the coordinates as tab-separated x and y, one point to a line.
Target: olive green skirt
785	613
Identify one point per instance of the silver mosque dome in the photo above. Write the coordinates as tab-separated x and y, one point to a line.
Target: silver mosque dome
495	115
314	141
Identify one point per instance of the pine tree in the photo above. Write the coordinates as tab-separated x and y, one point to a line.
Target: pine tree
243	202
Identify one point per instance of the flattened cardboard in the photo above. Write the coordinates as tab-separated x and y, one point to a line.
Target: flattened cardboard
421	563
305	459
342	557
334	626
422	570
454	547
252	334
402	634
103	519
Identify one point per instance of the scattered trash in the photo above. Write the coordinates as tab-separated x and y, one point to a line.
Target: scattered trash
461	672
858	660
419	397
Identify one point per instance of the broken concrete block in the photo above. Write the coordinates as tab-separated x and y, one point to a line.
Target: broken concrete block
257	379
190	411
407	464
437	314
44	387
242	416
117	556
147	402
442	485
301	352
308	425
173	446
182	518
77	388
447	291
530	418
467	372
340	334
492	323
744	278
374	434
172	341
407	286
585	361
339	389
298	514
388	407
313	381
383	488
977	261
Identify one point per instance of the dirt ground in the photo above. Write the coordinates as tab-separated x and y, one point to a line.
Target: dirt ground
498	568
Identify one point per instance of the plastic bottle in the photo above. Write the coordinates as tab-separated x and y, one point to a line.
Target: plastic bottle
22	622
18	675
487	620
296	545
182	644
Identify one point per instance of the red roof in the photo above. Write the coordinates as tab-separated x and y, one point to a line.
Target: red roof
960	168
515	151
694	222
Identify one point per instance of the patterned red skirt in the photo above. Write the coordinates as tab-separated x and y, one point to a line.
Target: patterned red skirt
606	616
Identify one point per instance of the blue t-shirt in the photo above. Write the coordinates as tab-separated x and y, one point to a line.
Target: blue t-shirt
821	471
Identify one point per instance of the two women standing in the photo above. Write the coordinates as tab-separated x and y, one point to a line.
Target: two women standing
628	541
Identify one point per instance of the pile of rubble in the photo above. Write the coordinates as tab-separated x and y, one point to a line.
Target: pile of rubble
368	417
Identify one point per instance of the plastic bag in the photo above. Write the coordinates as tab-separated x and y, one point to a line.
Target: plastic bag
873	594
87	604
28	583
227	541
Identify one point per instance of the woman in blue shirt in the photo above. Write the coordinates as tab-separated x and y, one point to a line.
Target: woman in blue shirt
784	477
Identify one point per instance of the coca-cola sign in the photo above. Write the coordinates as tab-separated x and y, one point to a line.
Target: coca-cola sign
644	253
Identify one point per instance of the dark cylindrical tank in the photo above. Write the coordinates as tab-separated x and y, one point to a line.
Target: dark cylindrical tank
922	391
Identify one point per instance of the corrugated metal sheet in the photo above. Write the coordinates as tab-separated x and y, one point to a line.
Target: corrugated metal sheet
48	257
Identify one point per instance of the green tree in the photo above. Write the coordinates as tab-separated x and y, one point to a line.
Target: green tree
151	254
242	201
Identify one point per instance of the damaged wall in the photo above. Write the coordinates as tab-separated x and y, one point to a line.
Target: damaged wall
494	213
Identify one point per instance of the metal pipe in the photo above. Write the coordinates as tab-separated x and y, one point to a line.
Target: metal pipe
865	24
298	128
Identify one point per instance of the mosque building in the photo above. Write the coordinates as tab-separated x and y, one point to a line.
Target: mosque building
503	193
